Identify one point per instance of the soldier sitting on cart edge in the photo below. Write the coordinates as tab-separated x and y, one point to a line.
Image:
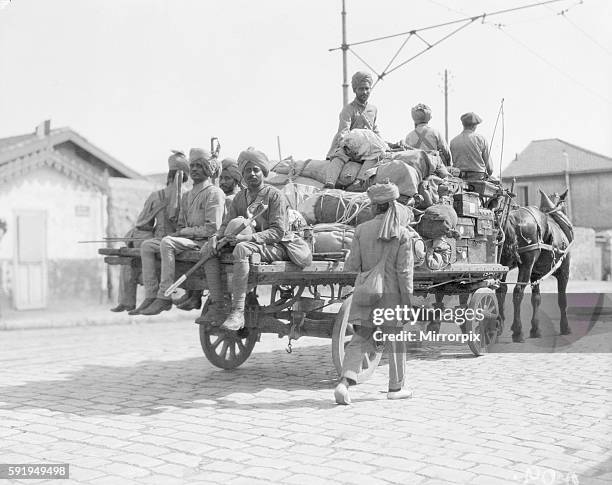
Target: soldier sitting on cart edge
200	216
270	228
156	220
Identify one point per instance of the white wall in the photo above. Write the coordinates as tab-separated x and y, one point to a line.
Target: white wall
47	189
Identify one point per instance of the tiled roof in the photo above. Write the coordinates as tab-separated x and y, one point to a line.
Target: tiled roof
17	146
546	157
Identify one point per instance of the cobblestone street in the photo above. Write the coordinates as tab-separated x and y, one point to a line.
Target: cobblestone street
141	404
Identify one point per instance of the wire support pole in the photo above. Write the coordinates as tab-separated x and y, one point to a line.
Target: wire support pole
345	48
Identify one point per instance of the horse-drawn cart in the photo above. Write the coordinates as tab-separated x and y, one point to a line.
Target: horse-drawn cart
304	302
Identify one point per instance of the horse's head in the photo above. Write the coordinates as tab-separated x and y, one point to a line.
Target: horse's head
554	201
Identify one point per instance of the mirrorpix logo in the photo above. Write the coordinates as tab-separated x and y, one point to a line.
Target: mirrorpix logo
4	4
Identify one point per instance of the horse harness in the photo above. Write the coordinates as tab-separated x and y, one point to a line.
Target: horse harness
539	244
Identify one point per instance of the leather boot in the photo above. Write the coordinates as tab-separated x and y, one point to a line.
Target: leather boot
215	314
194	302
212	269
121	308
145	303
240	280
157	307
183	298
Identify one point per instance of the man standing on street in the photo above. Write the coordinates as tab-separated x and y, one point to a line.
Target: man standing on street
157	219
383	238
470	150
200	216
270	228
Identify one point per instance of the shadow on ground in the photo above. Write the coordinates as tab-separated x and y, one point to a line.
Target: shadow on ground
153	386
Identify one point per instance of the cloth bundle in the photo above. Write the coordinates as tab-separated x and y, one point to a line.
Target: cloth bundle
331	238
402	174
437	221
336	206
363	145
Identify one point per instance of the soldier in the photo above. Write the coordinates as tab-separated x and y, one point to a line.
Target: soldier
470	150
424	137
384	237
270	228
157	219
200	217
357	114
230	180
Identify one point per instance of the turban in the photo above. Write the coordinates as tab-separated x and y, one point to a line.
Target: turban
255	156
421	113
383	193
178	161
470	119
209	163
392	221
229	167
360	77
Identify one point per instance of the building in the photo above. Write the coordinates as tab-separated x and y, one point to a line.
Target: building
554	165
54	192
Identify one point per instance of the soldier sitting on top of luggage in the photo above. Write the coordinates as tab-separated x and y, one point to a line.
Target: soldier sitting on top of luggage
157	219
270	228
470	150
200	216
424	137
230	180
358	113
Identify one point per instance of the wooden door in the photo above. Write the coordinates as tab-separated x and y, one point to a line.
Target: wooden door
30	260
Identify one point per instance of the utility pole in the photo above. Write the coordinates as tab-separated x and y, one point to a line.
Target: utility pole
344	50
567	185
446	105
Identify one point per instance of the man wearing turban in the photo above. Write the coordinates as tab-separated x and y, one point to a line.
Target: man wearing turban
357	114
383	238
424	137
200	216
157	219
270	228
230	180
470	150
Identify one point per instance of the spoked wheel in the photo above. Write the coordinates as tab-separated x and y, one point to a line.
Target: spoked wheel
483	302
341	336
227	350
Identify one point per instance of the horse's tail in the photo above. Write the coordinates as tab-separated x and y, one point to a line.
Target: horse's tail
511	241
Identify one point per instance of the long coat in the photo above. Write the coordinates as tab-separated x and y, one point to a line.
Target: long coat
366	251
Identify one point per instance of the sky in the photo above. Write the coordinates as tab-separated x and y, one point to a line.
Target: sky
140	77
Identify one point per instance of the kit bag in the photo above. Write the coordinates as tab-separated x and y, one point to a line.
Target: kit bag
437	221
298	250
370	285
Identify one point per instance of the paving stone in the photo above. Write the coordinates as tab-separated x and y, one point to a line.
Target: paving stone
140	404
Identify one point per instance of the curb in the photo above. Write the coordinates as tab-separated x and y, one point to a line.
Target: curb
83	320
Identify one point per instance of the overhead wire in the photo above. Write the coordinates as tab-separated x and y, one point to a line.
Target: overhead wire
562	13
585	33
559	70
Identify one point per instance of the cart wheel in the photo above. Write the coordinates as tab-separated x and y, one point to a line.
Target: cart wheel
341	336
227	350
485	301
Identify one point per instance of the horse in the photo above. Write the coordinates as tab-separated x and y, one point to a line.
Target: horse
536	241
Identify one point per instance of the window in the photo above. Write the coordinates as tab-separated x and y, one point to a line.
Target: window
523	195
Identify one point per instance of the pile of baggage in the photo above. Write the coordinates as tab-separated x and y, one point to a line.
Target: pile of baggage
451	224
